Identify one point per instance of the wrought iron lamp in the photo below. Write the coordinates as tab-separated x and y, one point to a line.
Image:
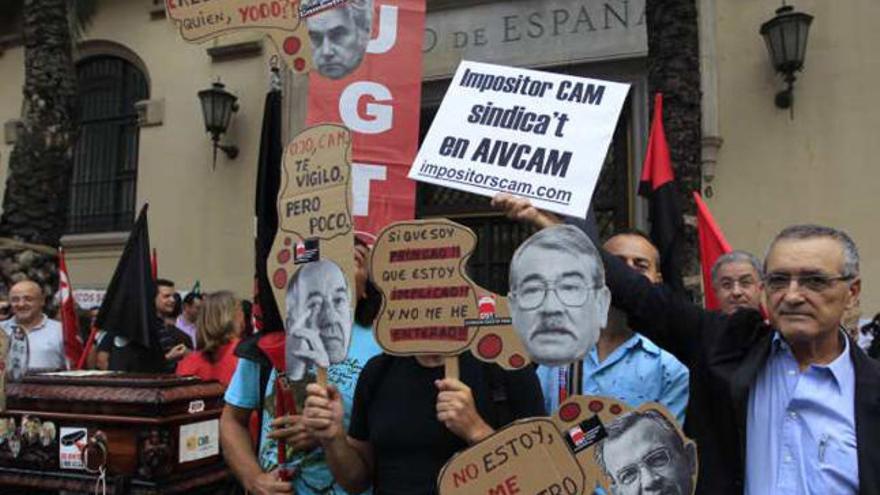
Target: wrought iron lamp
786	38
217	108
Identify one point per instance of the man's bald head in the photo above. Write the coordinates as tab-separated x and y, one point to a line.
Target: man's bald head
27	301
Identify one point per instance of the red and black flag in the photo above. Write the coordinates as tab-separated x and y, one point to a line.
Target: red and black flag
658	185
266	314
712	246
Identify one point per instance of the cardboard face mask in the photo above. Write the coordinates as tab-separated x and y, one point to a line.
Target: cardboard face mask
429	304
558	298
279	20
311	265
592	440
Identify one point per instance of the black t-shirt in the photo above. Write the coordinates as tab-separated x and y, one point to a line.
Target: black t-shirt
394	410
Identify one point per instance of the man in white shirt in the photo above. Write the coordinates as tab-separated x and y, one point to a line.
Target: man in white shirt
44	335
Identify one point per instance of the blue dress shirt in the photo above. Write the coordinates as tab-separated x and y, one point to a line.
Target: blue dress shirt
635	373
801	435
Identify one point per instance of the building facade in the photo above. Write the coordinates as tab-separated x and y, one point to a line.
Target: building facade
762	169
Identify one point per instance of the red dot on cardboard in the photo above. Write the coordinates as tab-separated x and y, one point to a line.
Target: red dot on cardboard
284	256
279	279
569	412
516	361
292	44
596	406
299	64
490	346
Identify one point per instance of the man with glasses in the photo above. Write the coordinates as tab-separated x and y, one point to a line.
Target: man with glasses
789	407
643	453
558	298
736	280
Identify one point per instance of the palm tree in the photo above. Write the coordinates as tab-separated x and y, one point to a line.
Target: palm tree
38	181
674	70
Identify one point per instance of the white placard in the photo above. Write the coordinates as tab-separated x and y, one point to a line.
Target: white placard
71	443
199	440
533	134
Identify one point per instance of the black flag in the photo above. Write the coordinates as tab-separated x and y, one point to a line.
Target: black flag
128	310
265	213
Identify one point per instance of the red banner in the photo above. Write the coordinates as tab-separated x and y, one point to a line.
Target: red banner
374	89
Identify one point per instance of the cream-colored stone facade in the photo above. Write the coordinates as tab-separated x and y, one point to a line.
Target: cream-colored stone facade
771	170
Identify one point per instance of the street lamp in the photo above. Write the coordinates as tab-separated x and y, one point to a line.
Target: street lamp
217	108
786	39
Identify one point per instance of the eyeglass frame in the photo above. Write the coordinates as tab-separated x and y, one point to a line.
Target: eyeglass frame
643	462
824	280
551	286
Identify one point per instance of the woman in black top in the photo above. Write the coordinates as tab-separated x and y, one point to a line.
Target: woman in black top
407	420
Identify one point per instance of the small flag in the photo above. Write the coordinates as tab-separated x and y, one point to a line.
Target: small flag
712	246
658	185
73	346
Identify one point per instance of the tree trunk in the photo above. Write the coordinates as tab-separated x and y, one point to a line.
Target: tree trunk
37	188
674	70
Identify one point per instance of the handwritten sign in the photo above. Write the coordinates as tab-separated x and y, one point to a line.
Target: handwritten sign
430	305
311	264
593	440
529	456
533	134
199	21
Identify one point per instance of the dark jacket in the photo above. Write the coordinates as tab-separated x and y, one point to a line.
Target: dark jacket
725	355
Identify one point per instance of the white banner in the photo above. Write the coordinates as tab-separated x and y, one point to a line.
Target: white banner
533	134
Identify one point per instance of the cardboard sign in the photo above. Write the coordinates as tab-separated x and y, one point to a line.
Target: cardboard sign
628	439
311	264
279	19
529	457
429	304
558	297
538	135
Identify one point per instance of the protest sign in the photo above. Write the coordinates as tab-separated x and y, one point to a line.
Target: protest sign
429	304
529	456
533	134
372	85
311	264
199	21
558	455
558	296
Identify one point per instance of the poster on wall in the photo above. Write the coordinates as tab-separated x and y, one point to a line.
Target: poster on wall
587	442
311	264
370	81
538	135
281	20
430	305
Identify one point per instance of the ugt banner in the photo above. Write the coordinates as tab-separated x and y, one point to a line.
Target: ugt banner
367	71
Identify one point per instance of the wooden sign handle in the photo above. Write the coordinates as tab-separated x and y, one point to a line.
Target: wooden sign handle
451	364
321	377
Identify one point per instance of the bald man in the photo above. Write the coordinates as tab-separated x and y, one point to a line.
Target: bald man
44	336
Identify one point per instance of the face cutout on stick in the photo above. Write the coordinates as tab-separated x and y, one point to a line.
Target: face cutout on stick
558	298
430	305
311	265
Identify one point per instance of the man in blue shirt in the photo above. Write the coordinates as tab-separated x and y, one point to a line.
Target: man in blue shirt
793	405
625	364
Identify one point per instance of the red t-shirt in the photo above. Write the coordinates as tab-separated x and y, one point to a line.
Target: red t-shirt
221	370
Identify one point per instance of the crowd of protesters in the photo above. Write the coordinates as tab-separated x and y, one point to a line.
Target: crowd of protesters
774	387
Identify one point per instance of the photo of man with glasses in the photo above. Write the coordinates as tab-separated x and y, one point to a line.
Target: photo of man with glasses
644	453
318	318
558	298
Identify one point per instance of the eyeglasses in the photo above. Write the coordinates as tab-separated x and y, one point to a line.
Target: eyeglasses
655	459
569	293
813	282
